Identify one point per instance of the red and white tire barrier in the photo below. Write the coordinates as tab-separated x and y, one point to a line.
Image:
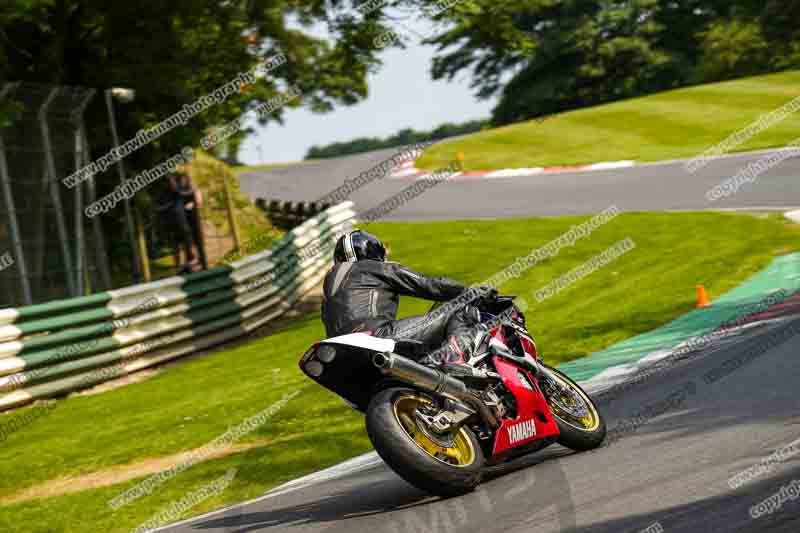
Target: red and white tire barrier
408	170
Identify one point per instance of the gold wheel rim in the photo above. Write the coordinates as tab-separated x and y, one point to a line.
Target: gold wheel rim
590	422
460	455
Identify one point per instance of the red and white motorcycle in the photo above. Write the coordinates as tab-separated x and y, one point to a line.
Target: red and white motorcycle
437	430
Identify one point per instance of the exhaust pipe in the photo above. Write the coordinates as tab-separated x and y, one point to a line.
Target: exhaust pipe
432	380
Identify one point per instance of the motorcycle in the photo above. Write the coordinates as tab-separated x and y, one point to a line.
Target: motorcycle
437	429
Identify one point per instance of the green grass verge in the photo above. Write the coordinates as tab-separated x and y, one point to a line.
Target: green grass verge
191	404
670	125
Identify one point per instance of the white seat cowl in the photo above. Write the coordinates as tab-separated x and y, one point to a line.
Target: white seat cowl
362	340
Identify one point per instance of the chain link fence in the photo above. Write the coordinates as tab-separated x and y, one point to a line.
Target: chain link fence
54	250
49	248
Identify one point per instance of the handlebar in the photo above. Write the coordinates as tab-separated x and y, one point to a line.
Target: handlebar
499	299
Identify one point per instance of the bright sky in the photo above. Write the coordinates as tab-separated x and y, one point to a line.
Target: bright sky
402	95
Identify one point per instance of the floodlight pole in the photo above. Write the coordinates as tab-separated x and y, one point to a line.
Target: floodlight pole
137	260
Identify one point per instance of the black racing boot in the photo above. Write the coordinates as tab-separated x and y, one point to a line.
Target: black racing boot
457	354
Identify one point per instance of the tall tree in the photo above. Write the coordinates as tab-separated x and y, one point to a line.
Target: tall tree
173	52
780	21
542	56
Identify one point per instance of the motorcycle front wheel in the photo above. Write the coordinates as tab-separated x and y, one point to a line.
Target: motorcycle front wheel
443	465
581	425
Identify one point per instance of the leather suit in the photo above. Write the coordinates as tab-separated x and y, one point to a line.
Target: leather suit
363	296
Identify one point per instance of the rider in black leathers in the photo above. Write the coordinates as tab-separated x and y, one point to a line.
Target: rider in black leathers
362	292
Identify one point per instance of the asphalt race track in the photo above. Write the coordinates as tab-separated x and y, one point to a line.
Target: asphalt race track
653	187
675	441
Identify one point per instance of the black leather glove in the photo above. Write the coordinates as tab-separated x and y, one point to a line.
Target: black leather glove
488	292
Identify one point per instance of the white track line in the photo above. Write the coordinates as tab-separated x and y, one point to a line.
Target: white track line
794	216
357	464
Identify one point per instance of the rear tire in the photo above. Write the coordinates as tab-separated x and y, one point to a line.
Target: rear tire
407	457
583	438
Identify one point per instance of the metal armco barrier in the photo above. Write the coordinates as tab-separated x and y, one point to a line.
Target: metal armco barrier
51	349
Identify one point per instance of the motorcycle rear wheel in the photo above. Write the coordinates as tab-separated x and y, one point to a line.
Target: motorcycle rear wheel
413	455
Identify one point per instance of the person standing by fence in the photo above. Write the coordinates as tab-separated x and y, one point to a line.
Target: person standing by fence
192	204
180	210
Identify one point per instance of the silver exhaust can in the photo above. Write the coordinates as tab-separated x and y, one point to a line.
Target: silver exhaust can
432	380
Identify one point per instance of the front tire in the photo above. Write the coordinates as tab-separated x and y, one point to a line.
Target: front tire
408	450
581	425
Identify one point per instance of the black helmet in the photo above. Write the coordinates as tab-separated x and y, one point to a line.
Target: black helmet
358	245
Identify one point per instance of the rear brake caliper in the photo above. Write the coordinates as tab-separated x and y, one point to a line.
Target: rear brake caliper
441	425
437	428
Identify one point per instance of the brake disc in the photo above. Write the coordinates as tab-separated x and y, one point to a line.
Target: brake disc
557	394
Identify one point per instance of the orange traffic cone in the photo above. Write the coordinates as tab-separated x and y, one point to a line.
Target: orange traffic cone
702	297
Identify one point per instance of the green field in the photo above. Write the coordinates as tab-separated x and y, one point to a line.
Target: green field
192	403
670	125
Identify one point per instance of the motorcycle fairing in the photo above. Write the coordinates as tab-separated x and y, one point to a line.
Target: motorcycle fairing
534	421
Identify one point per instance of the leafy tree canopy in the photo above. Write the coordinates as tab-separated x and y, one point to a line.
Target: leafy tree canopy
543	56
